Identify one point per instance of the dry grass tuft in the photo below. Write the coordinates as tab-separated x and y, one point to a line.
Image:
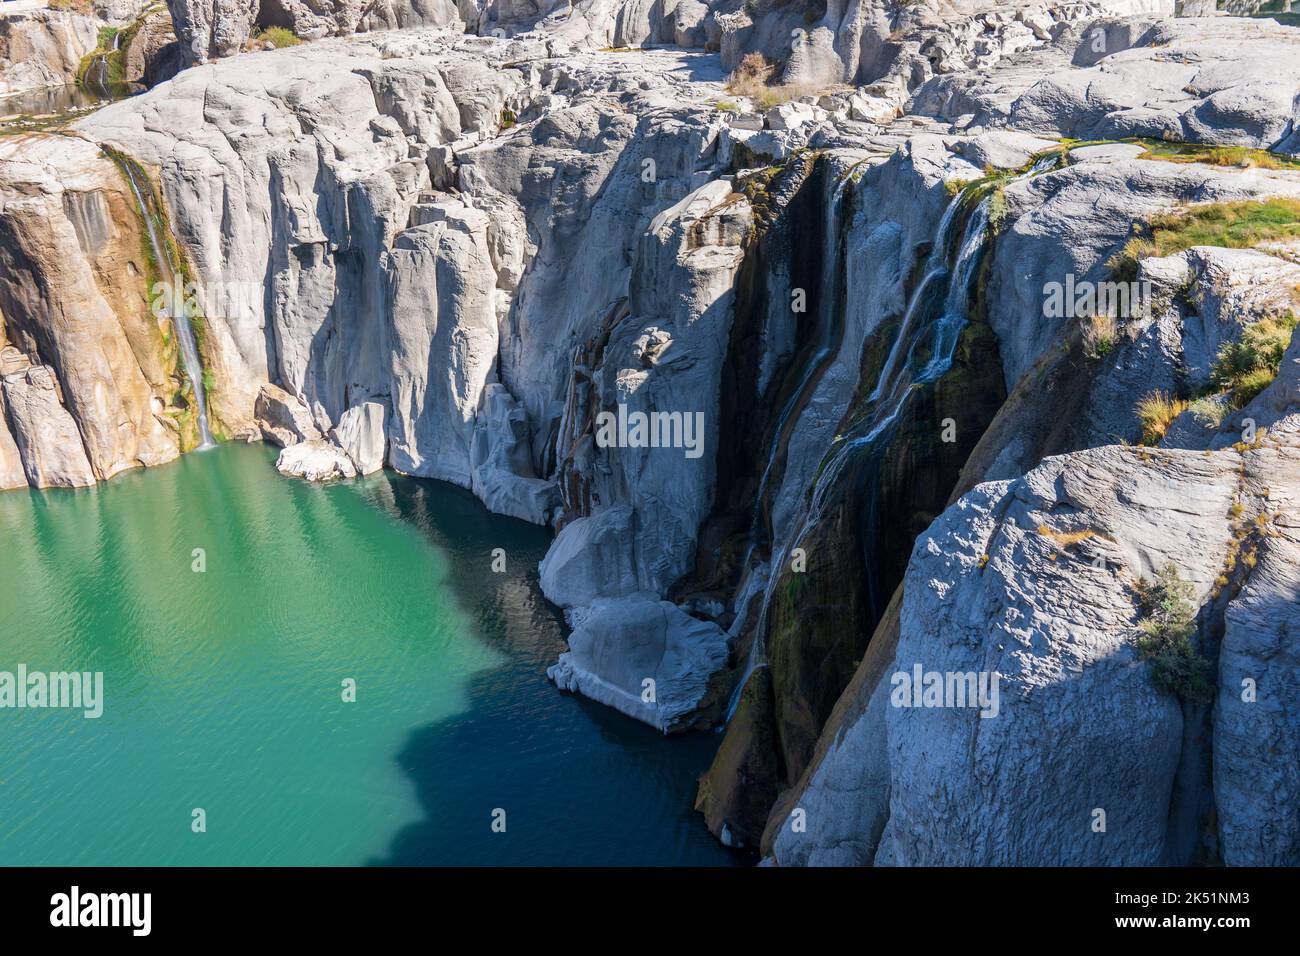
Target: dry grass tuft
1156	412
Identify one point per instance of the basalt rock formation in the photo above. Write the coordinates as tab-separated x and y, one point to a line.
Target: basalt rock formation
775	362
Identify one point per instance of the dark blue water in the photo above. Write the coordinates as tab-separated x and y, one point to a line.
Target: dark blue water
222	688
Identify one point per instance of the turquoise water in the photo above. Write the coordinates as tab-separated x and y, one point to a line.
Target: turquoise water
224	689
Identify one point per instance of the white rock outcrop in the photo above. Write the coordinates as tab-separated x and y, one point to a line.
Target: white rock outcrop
1034	580
478	258
315	461
42	48
644	657
360	433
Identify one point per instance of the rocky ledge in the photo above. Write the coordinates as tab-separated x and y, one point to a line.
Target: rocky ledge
776	314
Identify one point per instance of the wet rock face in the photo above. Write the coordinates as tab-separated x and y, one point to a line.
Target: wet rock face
508	263
75	302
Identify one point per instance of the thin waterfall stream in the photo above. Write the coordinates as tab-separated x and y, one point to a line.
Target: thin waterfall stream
831	327
922	326
184	332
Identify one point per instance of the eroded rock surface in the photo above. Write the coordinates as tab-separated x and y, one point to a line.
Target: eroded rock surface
41	47
714	341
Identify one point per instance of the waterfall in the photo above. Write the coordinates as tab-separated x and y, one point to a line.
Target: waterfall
101	64
922	327
95	79
181	323
831	328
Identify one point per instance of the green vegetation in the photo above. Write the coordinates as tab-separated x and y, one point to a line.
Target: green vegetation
1241	371
1236	156
993	185
1156	412
508	118
1100	335
278	37
28	123
174	274
1168	623
1209	411
114	59
1231	225
726	106
998	207
794	587
1246	367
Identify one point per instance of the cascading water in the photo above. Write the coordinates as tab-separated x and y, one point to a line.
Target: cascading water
831	329
180	322
906	367
99	68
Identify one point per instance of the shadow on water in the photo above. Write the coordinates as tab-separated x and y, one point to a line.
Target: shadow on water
580	784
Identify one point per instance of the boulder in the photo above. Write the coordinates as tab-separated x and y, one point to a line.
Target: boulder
360	433
315	460
789	116
590	559
283	418
644	657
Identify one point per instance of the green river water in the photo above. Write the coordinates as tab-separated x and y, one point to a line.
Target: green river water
224	688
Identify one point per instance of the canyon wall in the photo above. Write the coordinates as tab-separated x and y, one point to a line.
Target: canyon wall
507	261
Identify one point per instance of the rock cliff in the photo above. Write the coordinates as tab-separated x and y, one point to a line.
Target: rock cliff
776	360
